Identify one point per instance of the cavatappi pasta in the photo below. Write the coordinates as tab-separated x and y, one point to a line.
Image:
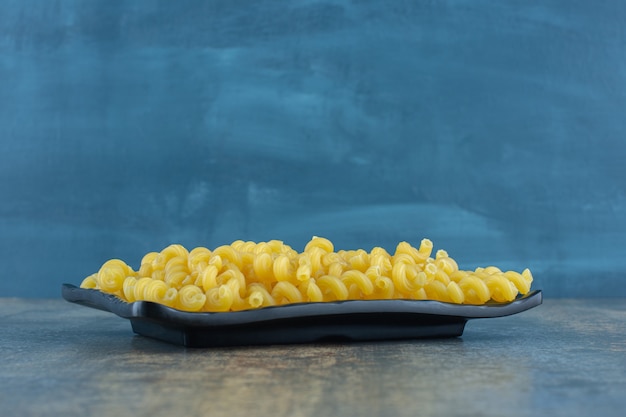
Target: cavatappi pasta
248	275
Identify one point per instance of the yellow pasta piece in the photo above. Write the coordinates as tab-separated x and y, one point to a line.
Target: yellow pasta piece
522	285
382	261
359	279
259	296
149	257
311	291
282	268
198	258
112	274
303	273
172	251
336	269
403	281
208	277
315	255
238	289
320	242
191	298
331	258
383	288
475	290
233	275
425	248
229	254
437	290
406	249
359	261
90	282
176	271
527	276
419	295
139	289
285	292
455	293
145	270
502	290
155	291
263	266
332	287
219	299
128	289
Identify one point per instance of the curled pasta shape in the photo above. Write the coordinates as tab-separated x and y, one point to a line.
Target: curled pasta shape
128	289
425	248
332	287
437	290
176	271
233	275
383	262
139	289
491	270
407	279
229	254
320	242
502	290
282	268
259	296
447	265
262	266
383	288
405	248
198	258
455	293
522	285
303	273
145	270
112	274
155	291
457	276
331	258
238	290
149	257
285	292
359	279
312	292
262	247
315	255
208	277
191	298
359	261
219	299
90	282
335	269
474	290
171	251
276	245
528	276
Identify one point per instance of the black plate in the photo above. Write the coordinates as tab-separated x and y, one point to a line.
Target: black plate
353	320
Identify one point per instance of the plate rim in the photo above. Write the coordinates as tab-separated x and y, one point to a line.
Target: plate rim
150	310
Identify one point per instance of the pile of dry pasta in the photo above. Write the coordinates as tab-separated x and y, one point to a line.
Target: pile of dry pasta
248	275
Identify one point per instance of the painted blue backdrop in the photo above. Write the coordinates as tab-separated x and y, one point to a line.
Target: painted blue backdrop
494	128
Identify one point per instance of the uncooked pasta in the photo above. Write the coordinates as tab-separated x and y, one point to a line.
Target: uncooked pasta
248	275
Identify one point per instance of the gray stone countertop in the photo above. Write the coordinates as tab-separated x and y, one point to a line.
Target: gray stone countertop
566	357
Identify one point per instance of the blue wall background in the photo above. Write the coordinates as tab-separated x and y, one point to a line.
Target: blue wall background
494	128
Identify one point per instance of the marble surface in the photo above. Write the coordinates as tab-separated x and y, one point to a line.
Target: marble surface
566	357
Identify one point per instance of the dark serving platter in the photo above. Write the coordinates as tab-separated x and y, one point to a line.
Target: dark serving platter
341	321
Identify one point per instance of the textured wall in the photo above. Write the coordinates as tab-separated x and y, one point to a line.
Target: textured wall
494	128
